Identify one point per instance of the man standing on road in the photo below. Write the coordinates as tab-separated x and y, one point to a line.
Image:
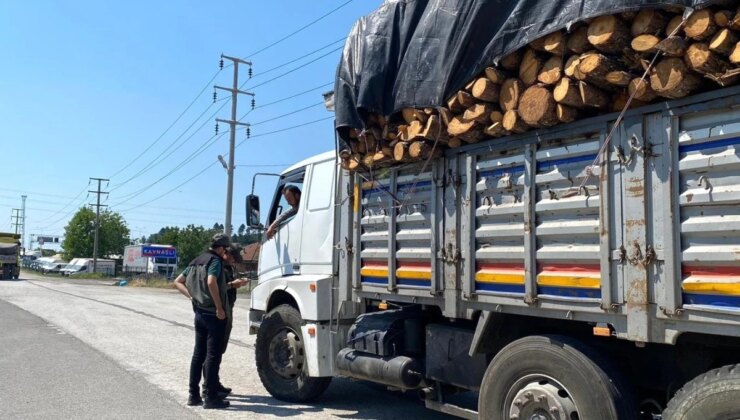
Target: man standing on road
204	283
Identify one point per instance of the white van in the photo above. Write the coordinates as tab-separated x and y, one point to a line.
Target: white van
85	265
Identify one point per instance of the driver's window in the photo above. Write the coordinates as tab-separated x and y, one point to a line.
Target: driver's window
294	183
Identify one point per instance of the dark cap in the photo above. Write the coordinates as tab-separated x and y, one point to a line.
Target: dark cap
236	253
220	239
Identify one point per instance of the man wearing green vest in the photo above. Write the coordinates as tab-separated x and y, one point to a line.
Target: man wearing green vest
204	283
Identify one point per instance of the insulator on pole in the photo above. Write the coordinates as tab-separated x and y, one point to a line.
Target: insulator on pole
214	96
216	128
221	64
250	72
253	103
249	132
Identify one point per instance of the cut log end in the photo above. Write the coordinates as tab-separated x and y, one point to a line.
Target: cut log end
485	90
608	34
511	89
513	123
672	79
538	107
700	25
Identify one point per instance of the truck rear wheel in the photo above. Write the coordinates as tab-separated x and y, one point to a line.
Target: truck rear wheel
553	378
281	359
713	395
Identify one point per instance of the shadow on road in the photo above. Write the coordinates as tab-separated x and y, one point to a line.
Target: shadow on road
361	401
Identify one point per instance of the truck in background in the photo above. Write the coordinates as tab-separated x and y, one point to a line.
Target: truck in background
10	256
85	266
150	259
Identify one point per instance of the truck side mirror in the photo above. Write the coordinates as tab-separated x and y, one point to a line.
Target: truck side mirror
253	211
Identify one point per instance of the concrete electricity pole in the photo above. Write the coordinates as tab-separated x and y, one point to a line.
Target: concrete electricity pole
97	220
232	135
23	221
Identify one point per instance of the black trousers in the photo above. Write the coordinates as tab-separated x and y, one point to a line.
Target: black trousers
209	341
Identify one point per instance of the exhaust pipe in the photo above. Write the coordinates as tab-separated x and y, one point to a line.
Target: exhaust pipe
399	372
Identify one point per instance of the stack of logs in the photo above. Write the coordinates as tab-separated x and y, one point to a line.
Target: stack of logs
562	77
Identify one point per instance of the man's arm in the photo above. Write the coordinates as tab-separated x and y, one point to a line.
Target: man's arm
213	288
180	285
280	220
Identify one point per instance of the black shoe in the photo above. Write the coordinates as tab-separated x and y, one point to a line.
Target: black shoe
219	394
211	403
223	390
194	400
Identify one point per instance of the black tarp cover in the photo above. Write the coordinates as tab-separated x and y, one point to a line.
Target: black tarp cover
416	53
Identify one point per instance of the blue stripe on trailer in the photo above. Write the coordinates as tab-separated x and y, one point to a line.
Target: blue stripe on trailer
375	280
572	292
412	282
511	170
499	287
732	141
724	301
547	165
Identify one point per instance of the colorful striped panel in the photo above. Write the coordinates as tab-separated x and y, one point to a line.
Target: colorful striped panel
711	286
580	281
501	278
414	273
375	272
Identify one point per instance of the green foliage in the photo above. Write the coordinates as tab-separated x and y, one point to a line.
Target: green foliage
79	235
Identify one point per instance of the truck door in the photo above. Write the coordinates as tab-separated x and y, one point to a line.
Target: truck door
318	220
281	255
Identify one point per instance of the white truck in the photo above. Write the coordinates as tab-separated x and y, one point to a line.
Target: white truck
150	259
484	271
85	266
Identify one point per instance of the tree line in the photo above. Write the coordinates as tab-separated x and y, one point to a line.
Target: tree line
114	235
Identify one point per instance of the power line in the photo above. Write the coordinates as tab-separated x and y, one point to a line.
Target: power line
171	125
298	59
292	70
294	96
157	160
284	129
288	114
65	206
300	29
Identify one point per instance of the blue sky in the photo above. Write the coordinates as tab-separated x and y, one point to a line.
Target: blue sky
87	86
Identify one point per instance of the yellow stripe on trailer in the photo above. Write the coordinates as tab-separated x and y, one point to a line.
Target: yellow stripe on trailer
712	288
503	278
374	272
580	282
413	274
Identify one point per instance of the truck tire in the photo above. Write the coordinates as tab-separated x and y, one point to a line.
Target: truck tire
281	359
554	377
713	395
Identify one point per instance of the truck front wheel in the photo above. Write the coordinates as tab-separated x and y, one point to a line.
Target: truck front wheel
713	395
281	359
553	377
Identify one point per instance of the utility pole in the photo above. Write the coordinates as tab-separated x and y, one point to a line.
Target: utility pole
16	217
97	220
23	220
232	137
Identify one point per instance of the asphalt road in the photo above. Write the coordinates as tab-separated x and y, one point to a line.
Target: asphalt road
123	352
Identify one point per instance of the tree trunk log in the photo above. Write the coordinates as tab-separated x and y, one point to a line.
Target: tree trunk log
641	89
672	79
415	130
700	25
592	96
530	67
433	129
571	65
453	104
513	123
445	116
419	150
578	40
495	75
723	42
511	89
674	28
551	71
496	128
649	21
459	126
645	43
596	66
555	43
454	143
566	92
538	108
566	114
723	18
609	34
619	101
401	152
700	59
479	113
619	78
465	99
673	46
512	61
485	90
